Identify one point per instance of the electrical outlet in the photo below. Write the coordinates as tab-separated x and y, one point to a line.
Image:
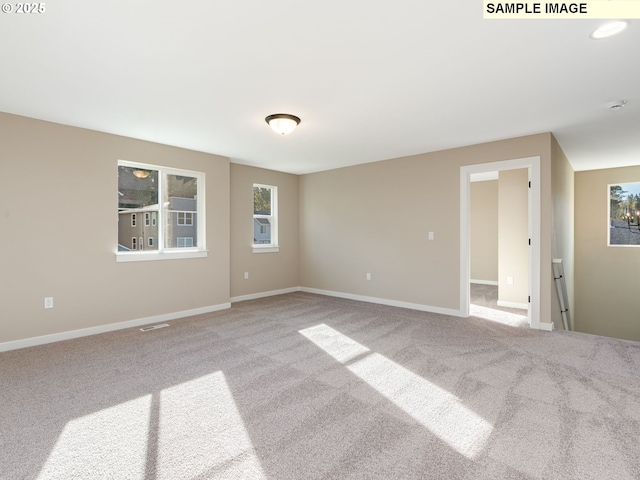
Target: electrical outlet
48	302
431	236
246	275
368	276
510	280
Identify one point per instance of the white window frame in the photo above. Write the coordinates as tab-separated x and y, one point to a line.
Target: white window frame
272	247
134	243
134	219
169	253
147	219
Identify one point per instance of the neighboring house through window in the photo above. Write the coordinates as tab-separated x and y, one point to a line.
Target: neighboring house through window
265	218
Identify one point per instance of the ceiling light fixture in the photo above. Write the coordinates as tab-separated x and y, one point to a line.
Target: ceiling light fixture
282	123
609	29
141	173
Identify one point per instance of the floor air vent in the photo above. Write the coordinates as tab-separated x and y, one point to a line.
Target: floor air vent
154	327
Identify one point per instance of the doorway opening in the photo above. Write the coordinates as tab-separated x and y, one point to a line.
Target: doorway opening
473	172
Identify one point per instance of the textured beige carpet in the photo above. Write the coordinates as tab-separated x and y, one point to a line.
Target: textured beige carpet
301	386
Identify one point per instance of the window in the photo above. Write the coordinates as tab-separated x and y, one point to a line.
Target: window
265	218
185	241
185	218
624	214
156	193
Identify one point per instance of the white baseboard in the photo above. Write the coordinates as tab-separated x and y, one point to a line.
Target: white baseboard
484	282
547	327
271	293
384	301
523	306
84	332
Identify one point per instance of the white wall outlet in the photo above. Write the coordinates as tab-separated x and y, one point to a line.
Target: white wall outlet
48	302
246	275
510	280
368	276
431	236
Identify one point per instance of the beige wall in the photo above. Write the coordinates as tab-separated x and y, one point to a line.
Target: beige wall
58	201
513	237
58	190
563	191
606	278
376	218
267	271
484	231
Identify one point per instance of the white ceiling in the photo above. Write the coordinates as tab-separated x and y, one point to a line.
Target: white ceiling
371	79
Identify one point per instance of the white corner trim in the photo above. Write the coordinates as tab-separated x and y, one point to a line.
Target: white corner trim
271	293
384	301
484	282
522	306
84	332
547	327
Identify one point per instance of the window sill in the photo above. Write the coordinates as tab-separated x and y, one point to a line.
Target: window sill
166	255
266	249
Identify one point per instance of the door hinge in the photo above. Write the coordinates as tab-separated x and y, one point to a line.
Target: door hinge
529	298
529	184
529	241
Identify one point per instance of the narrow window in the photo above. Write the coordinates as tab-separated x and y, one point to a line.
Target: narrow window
624	215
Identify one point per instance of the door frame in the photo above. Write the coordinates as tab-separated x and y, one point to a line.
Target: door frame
532	164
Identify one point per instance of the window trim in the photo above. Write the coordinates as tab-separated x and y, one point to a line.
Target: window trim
169	253
274	246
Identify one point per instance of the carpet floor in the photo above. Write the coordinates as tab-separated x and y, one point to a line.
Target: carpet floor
302	386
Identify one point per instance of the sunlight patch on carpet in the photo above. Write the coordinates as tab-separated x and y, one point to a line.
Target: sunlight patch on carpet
438	410
110	440
192	429
339	346
493	315
202	415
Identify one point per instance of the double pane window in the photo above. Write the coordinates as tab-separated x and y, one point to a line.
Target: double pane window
161	207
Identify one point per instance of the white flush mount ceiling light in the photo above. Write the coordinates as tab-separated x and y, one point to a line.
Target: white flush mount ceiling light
282	123
610	29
